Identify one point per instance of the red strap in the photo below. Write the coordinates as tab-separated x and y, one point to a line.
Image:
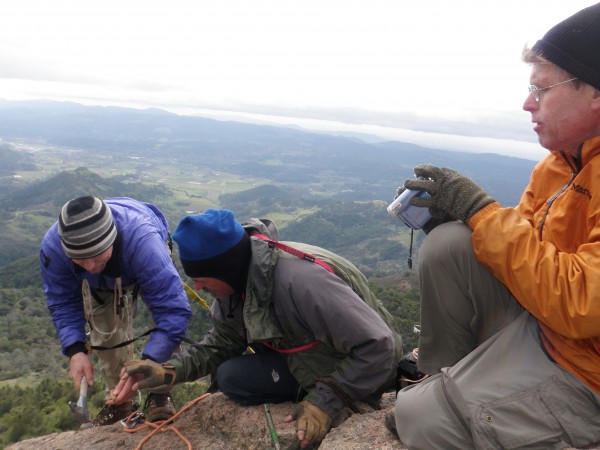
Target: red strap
294	251
291	350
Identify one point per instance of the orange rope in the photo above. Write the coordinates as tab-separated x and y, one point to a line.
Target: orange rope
408	380
160	426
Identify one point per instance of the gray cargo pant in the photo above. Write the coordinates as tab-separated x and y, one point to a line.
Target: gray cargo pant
498	389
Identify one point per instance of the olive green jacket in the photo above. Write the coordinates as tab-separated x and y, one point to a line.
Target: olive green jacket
290	302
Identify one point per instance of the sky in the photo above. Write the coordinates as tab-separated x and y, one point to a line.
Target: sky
439	73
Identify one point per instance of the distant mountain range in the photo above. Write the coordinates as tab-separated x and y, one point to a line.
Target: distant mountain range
357	170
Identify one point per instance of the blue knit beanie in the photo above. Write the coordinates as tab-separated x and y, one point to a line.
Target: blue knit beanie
207	235
214	245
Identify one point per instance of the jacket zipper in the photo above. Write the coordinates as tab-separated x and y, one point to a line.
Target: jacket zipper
551	200
574	171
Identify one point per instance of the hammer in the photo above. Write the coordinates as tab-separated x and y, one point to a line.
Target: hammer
80	409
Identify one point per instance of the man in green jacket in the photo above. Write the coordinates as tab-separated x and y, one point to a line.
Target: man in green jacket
319	334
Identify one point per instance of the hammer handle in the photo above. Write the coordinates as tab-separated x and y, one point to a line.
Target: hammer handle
83	387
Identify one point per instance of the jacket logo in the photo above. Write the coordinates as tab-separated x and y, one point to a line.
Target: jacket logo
275	375
581	190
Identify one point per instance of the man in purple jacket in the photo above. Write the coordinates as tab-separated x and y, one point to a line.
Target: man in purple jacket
94	260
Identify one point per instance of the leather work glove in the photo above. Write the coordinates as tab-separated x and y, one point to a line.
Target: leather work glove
452	194
431	223
153	373
313	423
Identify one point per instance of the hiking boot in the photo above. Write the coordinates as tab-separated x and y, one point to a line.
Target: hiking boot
407	371
390	423
109	414
159	407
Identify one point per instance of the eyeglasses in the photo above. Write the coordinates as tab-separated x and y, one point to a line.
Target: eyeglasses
536	91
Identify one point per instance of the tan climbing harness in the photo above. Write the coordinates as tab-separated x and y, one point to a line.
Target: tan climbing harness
122	310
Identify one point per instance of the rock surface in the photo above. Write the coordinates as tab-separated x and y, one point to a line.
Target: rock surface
215	422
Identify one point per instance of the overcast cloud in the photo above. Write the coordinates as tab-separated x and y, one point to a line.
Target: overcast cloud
432	72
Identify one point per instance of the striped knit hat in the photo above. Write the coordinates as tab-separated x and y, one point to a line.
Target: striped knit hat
86	227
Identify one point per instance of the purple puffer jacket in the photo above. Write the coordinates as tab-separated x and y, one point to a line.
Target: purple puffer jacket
144	259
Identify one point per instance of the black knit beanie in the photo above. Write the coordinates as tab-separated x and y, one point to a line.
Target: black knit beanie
574	45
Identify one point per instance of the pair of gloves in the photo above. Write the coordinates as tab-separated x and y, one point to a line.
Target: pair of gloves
452	195
313	423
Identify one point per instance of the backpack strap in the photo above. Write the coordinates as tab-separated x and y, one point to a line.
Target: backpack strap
291	350
294	251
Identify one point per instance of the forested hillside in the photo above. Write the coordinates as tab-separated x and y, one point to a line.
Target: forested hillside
33	372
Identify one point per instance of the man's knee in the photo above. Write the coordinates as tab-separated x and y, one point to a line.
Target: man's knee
407	410
444	242
255	379
239	379
229	375
420	419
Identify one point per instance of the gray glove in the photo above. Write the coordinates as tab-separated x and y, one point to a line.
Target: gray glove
431	223
452	195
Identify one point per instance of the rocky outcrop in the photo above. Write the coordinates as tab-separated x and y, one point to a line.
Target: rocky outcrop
215	422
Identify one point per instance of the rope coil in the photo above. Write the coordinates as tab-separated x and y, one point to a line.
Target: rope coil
161	426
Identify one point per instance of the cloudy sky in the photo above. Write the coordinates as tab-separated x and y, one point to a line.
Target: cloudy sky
440	73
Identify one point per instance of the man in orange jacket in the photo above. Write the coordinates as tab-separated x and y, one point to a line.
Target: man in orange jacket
510	303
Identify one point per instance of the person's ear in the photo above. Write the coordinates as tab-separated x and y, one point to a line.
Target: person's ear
595	102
